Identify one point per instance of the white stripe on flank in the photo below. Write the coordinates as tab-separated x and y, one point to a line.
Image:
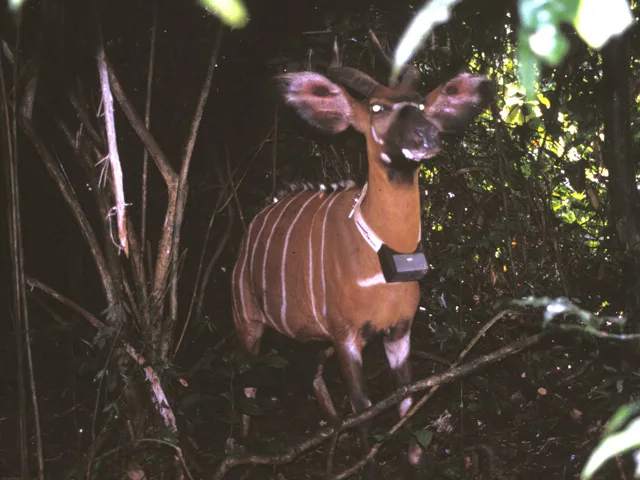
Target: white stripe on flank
242	270
265	305
324	227
283	311
268	211
311	293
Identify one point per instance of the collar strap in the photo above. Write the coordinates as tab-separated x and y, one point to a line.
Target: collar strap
374	241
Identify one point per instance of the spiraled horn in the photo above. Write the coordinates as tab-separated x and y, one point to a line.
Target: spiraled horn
410	74
350	77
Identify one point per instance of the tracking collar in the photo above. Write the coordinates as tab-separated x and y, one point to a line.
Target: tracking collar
396	267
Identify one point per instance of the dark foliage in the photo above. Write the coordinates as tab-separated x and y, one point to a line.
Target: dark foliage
519	206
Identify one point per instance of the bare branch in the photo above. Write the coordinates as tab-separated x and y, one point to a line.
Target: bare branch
172	318
151	376
418	405
78	213
114	156
396	397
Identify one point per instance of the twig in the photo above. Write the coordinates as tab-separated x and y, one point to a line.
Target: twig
20	310
114	156
181	196
152	377
274	151
394	398
78	212
412	411
198	292
147	123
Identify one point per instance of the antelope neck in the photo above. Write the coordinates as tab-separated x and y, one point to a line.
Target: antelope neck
392	223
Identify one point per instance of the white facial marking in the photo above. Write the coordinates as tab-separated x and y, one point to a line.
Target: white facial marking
283	311
385	158
377	139
408	153
405	405
398	351
377	279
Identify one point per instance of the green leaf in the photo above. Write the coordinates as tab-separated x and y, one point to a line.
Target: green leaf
251	406
597	21
15	4
627	439
548	43
231	12
424	438
527	66
430	15
276	361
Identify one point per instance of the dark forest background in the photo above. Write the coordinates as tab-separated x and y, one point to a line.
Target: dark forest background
538	199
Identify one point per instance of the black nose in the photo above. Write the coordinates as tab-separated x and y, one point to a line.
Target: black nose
415	131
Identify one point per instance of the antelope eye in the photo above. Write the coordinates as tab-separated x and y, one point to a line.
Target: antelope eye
376	108
421	106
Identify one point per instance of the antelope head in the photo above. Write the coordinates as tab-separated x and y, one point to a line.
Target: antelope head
402	126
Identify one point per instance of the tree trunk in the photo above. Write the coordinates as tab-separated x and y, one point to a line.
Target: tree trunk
623	189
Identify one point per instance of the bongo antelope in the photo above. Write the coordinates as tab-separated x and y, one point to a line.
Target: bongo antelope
311	264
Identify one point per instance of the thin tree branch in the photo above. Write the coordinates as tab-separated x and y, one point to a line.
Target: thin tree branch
172	318
152	377
418	405
394	398
114	156
145	158
8	136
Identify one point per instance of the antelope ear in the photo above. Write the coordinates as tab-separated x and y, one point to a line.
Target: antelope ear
452	106
317	100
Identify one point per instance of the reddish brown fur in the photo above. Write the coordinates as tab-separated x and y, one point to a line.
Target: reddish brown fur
338	307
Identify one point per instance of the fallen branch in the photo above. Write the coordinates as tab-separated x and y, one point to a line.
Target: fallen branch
152	377
393	399
418	405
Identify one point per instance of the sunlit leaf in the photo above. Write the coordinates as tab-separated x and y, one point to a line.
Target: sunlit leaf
597	21
616	444
15	4
231	12
527	66
432	14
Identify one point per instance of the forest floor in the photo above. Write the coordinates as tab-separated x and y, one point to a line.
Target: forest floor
538	414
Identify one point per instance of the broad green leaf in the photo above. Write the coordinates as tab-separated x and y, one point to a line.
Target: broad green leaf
424	438
276	361
527	66
231	12
430	15
597	21
627	439
549	44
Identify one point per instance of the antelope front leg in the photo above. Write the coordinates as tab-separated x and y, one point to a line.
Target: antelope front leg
350	356
397	345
